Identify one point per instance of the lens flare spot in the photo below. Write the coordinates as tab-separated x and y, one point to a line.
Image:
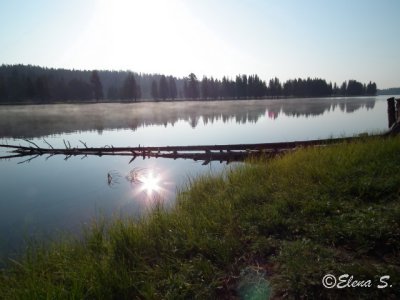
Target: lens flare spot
150	183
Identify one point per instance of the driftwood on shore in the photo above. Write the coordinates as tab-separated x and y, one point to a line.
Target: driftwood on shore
205	153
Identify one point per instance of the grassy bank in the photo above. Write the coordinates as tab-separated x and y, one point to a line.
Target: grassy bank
269	228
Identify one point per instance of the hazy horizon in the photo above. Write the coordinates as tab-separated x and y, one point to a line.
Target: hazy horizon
288	39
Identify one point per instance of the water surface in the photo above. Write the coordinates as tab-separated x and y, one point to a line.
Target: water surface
44	196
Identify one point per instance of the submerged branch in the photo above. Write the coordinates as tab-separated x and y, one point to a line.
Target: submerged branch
51	155
29	159
12	156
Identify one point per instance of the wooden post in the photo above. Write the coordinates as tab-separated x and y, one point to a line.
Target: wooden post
391	111
397	110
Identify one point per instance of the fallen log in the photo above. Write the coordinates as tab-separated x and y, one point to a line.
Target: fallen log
206	153
202	148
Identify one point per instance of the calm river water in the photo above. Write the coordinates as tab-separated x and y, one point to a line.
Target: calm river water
45	196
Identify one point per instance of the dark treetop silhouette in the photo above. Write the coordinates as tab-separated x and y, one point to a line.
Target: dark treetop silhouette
32	84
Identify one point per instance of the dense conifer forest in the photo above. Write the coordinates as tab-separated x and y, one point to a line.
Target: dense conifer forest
33	84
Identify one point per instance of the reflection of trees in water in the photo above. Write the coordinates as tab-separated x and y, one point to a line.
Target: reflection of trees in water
36	121
320	106
350	107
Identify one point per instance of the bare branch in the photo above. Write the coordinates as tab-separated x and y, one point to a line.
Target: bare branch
132	159
51	155
48	144
28	160
30	142
11	156
84	144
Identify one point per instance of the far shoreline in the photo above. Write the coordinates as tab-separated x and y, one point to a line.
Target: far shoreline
108	101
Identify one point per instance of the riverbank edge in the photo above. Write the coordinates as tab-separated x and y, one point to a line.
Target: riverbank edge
272	227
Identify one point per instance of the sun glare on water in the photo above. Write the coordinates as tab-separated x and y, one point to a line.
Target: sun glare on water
150	183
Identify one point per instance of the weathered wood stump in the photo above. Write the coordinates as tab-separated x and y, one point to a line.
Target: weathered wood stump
391	111
398	110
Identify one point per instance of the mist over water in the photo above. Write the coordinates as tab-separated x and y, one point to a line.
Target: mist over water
44	196
170	118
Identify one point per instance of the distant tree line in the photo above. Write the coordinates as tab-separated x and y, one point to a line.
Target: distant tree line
245	87
164	88
390	91
26	83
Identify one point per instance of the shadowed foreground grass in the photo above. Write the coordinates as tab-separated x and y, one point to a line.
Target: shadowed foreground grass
268	229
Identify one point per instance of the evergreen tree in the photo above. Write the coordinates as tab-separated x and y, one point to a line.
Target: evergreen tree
228	88
15	85
130	89
335	90
185	88
371	89
42	88
244	86
97	87
288	88
154	90
343	89
224	88
29	89
192	87
112	93
257	86
354	88
214	88
138	92
239	87
79	90
205	89
275	87
59	90
3	90
173	91
163	91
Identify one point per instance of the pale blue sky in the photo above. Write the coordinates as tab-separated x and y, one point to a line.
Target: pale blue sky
336	40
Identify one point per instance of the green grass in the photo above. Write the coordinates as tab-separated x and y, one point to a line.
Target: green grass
270	228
